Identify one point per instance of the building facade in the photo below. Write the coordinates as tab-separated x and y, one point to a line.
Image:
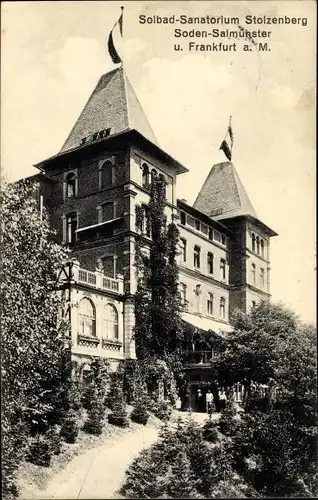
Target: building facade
91	189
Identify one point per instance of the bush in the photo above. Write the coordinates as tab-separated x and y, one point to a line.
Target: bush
161	410
115	391
228	424
140	414
13	441
70	428
96	417
40	450
119	415
54	438
210	432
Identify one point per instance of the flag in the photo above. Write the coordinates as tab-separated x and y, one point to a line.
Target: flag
227	143
111	46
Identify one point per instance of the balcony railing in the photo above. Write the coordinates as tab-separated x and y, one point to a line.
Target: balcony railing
97	280
200	357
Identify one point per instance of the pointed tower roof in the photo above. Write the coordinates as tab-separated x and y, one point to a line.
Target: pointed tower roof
113	105
223	194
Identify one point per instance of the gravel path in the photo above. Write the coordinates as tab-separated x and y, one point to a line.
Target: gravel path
100	472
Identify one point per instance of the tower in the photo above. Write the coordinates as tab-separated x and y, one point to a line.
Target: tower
224	199
96	181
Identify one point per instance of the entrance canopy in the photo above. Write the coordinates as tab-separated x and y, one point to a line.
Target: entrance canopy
206	324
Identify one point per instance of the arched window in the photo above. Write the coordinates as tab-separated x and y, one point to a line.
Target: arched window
257	244
145	175
262	248
107	173
222	307
70	181
111	322
87	318
253	242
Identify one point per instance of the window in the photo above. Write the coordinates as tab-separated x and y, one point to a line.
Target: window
183	249
196	257
261	277
210	262
223	269
210	233
253	303
109	265
71	227
107	173
222	307
87	318
183	294
162	179
70	182
110	326
257	245
183	218
146	223
108	211
210	304
145	175
262	248
217	236
253	242
197	224
223	239
253	269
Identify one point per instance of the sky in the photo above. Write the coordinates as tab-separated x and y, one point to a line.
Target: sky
53	54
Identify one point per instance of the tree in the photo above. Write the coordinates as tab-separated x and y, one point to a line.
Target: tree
35	355
157	300
253	348
270	346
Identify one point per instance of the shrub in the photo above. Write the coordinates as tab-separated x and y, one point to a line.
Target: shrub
140	414
40	450
115	392
13	441
70	428
119	414
161	410
228	423
54	438
210	432
95	418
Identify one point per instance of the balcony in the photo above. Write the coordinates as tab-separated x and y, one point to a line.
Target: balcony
97	280
111	344
200	358
87	341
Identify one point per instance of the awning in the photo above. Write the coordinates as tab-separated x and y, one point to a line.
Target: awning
207	324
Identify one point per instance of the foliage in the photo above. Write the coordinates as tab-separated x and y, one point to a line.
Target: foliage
209	431
266	444
54	437
158	331
161	410
95	413
70	427
140	414
115	390
117	405
131	378
40	450
35	356
180	465
228	422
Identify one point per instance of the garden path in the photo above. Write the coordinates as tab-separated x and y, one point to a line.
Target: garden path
100	472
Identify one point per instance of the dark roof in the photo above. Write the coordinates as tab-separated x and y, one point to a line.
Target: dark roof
223	196
113	105
116	140
223	190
